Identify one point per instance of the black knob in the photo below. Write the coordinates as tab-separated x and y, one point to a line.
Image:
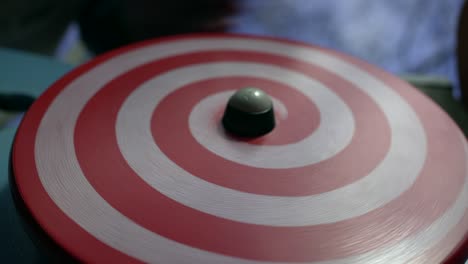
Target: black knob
249	113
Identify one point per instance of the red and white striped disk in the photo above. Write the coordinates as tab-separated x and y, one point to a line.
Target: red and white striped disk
124	159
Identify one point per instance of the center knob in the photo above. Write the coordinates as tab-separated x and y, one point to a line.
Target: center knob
249	113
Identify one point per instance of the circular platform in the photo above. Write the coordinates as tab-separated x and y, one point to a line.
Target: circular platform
125	159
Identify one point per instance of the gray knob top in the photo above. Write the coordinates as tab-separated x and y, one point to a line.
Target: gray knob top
251	100
249	113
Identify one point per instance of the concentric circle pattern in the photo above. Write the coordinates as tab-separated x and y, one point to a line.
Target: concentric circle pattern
125	160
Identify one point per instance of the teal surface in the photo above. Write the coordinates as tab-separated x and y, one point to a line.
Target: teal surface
30	74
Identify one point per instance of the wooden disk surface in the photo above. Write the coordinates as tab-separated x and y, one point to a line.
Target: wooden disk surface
125	160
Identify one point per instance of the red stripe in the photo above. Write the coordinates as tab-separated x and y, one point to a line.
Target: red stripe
438	132
386	226
62	229
367	148
336	239
453	240
295	127
459	253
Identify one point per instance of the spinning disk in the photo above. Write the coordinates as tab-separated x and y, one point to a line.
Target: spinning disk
124	159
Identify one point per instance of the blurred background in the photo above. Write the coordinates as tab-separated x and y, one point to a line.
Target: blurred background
415	39
403	36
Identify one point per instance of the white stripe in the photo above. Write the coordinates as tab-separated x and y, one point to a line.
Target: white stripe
335	131
63	178
394	175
